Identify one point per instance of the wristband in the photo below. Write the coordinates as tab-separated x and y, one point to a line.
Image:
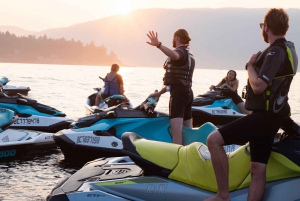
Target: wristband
247	64
159	44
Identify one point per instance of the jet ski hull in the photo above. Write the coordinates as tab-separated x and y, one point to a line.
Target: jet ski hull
21	150
120	179
88	147
33	115
217	116
42	123
18	143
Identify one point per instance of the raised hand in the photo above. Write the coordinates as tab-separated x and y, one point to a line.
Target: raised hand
153	38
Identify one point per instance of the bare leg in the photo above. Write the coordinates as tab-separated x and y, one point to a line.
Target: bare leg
241	106
258	181
98	98
219	159
176	127
188	123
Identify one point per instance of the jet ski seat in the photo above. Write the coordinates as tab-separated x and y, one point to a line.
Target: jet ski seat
192	164
6	118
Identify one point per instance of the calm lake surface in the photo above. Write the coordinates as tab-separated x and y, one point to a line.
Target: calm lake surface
66	88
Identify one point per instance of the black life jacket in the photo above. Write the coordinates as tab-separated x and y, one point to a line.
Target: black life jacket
181	75
274	98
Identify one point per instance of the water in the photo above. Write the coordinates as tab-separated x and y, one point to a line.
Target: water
66	88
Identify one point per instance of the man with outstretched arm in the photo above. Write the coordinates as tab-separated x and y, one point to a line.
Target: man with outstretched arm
178	80
270	74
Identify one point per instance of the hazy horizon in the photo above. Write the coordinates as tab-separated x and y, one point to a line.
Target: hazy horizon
222	38
35	15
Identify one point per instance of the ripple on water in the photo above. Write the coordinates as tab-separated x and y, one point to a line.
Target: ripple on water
33	179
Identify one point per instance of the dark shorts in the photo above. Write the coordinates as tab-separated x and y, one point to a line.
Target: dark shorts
104	96
259	129
180	104
235	97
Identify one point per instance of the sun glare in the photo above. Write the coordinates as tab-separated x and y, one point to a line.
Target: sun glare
123	6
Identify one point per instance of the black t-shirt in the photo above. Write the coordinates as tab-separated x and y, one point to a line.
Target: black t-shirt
183	56
272	64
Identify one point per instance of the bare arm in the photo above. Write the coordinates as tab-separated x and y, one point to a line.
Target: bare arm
212	86
122	89
233	88
158	94
154	42
257	84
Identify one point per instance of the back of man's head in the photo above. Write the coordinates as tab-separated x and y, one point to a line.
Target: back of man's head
115	67
277	20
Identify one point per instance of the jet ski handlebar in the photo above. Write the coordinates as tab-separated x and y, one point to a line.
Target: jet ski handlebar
219	88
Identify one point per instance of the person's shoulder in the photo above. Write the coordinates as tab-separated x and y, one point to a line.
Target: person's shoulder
120	78
276	48
180	51
275	51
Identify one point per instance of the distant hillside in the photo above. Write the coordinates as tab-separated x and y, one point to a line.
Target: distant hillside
221	38
45	50
16	30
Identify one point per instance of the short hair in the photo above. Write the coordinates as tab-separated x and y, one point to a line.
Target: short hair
183	36
277	20
115	67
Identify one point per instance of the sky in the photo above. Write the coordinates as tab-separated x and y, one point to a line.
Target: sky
38	15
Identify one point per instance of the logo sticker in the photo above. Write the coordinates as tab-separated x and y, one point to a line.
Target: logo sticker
5	139
270	53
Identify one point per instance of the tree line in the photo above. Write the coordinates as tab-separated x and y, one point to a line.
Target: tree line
32	49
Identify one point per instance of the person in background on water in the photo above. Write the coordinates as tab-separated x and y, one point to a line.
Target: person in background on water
179	69
113	84
270	74
232	83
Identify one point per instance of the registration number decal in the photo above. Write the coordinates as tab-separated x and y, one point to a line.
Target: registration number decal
88	139
27	121
219	111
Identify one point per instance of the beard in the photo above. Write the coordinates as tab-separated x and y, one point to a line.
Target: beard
174	43
265	36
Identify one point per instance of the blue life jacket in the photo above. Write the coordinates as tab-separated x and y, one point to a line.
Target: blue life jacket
112	87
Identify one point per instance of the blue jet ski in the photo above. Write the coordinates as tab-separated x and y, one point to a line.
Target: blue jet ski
11	90
34	115
100	134
18	142
216	107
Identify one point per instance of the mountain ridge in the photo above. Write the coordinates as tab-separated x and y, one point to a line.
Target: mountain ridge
222	38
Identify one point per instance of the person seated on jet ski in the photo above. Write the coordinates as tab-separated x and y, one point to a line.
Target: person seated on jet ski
113	84
231	82
179	69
